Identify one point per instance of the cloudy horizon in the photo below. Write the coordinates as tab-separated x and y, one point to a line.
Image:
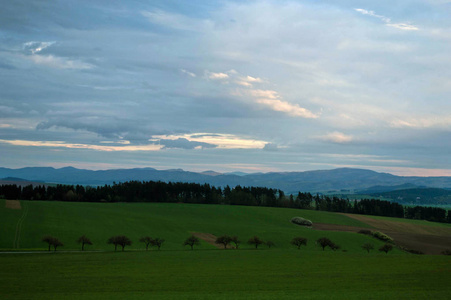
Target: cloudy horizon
261	86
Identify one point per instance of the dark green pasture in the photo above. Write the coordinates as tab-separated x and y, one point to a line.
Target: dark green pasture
224	274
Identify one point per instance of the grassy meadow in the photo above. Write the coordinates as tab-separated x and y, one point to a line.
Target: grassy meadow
224	274
176	272
172	222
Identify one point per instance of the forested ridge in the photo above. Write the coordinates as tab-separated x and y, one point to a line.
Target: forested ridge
179	192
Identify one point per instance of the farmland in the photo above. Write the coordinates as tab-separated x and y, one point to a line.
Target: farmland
207	272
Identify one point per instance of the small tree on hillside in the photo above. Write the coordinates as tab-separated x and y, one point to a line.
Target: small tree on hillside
270	244
52	241
324	242
236	241
83	240
157	242
147	240
368	247
299	241
113	240
48	239
191	241
256	241
386	248
224	240
334	246
57	243
121	240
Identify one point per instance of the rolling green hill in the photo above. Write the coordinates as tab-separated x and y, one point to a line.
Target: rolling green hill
176	272
173	222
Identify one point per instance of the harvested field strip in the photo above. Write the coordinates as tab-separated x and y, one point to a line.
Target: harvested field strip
402	227
207	237
16	243
335	227
13	204
427	239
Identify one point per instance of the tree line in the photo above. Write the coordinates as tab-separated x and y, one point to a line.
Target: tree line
179	192
225	240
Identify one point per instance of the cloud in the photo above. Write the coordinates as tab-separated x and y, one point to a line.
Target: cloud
247	81
422	122
271	147
378	86
183	143
35	47
373	14
386	20
252	79
271	99
175	21
187	73
218	140
216	76
61	144
32	50
265	98
337	137
403	26
58	62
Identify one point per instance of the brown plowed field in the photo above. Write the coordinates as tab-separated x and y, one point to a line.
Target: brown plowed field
424	238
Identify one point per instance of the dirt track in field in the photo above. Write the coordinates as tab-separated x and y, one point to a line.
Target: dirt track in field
424	238
13	204
207	237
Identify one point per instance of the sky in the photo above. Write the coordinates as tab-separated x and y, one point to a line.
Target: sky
255	86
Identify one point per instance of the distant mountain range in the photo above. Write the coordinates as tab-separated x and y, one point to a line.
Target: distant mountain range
342	180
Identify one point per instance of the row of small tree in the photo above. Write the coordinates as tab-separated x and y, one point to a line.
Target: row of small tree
224	240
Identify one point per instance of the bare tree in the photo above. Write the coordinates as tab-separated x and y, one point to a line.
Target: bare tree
48	239
121	240
57	243
256	241
83	240
52	241
236	241
147	240
191	241
334	246
368	247
270	244
224	240
157	242
299	241
324	242
386	248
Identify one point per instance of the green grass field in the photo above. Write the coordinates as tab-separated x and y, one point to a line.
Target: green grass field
172	222
224	274
176	272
